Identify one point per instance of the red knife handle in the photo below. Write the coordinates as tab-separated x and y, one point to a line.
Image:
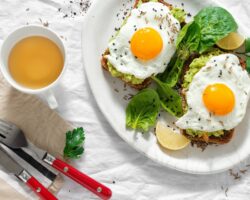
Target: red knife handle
92	185
36	186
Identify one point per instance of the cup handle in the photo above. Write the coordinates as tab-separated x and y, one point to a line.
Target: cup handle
50	97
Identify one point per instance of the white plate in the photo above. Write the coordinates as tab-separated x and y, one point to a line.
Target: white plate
98	27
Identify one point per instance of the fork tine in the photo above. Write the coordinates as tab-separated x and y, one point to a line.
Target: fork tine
3	131
5	124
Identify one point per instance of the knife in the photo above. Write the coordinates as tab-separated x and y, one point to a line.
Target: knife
13	167
35	164
97	188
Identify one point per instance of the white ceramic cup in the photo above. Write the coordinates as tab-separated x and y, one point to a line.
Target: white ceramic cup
9	43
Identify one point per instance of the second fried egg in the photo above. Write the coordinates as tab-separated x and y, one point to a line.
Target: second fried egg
217	96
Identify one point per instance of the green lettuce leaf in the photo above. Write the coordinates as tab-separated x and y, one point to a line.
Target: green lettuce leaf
142	110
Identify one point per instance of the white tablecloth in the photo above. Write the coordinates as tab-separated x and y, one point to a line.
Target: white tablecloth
107	158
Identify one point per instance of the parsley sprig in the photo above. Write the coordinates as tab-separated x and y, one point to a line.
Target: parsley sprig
74	143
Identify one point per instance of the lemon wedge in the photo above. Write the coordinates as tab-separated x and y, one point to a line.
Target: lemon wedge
169	139
231	42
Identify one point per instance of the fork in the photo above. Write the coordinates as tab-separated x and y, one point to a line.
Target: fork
13	137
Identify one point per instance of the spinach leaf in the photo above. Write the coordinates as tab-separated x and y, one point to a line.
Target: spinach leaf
187	42
74	142
247	45
248	64
182	34
170	99
215	23
143	109
210	25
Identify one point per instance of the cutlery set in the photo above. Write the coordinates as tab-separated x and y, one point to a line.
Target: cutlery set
12	137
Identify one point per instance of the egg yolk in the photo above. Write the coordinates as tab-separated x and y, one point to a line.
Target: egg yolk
219	99
146	43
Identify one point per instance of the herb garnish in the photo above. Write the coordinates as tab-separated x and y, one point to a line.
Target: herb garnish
74	143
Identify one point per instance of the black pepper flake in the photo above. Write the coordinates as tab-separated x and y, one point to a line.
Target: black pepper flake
160	26
161	9
220	74
189	15
115	49
136	57
113	44
117	29
182	4
129	42
125	53
113	182
27	9
65	16
199	119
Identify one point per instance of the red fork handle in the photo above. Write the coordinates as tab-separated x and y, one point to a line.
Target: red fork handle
92	185
36	186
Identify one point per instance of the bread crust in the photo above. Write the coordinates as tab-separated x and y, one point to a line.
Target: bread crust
104	61
226	137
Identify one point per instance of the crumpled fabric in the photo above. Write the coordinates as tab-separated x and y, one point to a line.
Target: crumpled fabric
107	157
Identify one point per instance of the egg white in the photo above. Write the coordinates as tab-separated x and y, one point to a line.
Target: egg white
147	15
224	69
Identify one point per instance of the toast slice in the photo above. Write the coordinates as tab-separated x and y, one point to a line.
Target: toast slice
104	61
223	139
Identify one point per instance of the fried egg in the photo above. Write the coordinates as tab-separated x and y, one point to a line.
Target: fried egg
217	96
146	42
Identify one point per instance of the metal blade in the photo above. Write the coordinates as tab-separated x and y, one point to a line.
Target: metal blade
9	164
38	152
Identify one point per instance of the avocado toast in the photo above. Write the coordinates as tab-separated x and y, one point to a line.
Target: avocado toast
189	70
130	79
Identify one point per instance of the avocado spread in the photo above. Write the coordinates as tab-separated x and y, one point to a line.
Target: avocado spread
194	67
126	77
178	13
